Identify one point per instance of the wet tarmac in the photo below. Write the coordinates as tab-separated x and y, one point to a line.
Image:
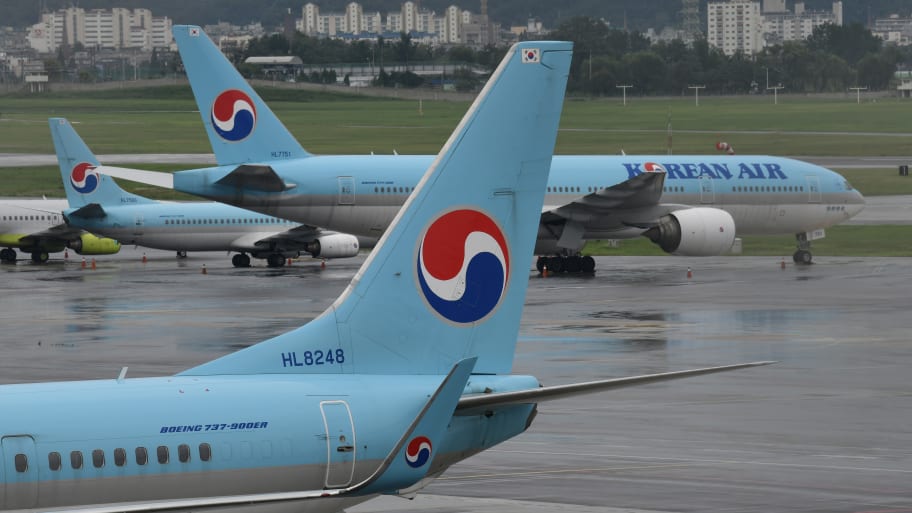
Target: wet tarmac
827	429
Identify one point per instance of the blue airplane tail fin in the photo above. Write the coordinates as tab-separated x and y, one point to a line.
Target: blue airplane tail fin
240	126
82	182
448	279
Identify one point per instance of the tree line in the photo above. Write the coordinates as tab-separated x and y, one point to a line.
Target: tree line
833	59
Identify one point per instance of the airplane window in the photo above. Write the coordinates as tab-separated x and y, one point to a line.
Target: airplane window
142	456
21	461
183	453
205	452
54	461
76	460
162	452
120	457
98	458
375	189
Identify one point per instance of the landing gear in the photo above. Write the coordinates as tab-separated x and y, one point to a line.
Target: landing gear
803	254
8	256
566	264
40	257
181	254
275	260
240	260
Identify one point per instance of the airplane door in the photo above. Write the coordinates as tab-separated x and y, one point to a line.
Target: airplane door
340	443
813	189
707	194
138	222
346	190
20	472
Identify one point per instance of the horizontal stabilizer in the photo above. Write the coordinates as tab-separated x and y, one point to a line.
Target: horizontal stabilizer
255	177
90	211
156	178
536	395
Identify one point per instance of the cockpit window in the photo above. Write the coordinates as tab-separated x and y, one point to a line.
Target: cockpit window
848	186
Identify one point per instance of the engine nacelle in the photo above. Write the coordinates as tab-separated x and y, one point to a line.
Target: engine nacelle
88	244
336	245
694	232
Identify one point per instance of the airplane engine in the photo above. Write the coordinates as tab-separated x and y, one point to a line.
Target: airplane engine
88	244
337	245
694	232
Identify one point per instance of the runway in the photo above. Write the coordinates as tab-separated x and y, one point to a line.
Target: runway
825	430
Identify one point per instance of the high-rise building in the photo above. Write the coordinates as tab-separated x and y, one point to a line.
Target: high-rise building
115	29
734	26
741	25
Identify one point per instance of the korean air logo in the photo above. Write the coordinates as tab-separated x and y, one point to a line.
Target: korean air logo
233	115
463	265
418	451
84	178
652	167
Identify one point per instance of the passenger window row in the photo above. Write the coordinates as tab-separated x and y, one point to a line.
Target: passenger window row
30	218
256	220
140	456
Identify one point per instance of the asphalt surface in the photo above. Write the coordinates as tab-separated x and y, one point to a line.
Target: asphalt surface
827	429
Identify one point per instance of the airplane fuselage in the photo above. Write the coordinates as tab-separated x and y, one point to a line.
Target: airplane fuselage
361	194
191	226
177	437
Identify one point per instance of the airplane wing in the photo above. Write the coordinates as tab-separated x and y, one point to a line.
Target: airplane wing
471	404
296	238
59	232
433	417
618	202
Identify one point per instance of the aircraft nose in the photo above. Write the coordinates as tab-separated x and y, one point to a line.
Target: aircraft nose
855	204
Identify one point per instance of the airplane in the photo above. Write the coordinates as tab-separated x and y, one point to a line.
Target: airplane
36	226
373	396
689	205
99	205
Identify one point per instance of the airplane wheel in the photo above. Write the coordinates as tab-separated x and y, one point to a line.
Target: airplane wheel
802	257
574	264
587	264
245	261
540	263
556	264
237	260
275	260
40	257
8	256
181	254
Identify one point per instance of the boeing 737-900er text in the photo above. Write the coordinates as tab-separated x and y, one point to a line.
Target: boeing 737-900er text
688	205
36	226
99	205
373	396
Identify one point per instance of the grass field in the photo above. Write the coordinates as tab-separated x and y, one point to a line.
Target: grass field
848	240
165	120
